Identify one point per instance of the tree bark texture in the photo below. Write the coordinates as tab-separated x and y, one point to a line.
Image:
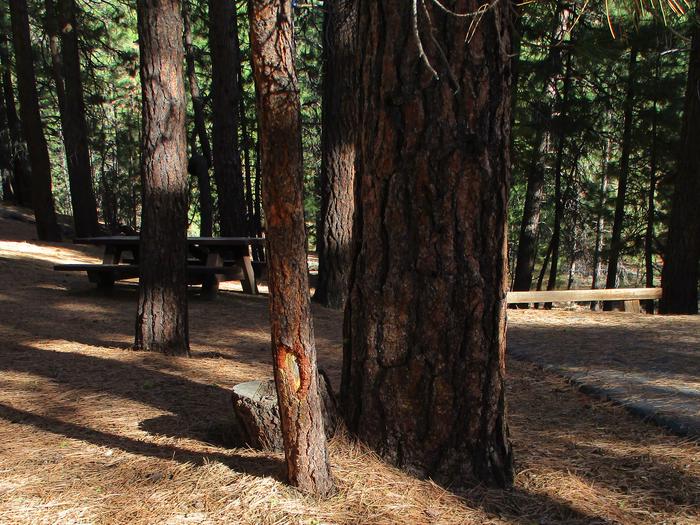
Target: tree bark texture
293	346
42	198
75	135
616	236
339	124
224	89
199	164
679	278
161	322
651	212
424	356
6	171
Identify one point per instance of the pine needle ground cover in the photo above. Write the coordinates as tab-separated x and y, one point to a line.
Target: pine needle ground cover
92	432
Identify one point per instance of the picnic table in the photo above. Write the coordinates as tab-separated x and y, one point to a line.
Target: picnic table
210	260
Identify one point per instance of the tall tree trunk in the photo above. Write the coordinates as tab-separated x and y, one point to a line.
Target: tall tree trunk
8	190
600	220
75	134
424	356
245	135
21	175
679	278
161	322
529	228
199	167
338	153
42	198
293	346
651	211
616	238
227	162
558	167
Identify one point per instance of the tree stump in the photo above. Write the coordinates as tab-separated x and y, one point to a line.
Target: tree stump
257	414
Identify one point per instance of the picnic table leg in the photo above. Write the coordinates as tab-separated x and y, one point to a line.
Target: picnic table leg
249	283
210	283
633	307
104	281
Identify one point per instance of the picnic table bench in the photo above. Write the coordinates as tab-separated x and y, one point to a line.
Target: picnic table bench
630	296
210	260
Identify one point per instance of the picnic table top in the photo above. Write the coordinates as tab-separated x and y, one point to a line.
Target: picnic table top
131	240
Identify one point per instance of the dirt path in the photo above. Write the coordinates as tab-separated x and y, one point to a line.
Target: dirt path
648	364
92	432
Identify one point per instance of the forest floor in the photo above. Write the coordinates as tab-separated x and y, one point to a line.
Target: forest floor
92	432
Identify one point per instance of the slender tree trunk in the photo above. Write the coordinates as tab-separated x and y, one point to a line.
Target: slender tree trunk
338	153
600	222
293	346
616	238
161	322
424	356
75	134
679	277
21	175
245	135
545	264
42	198
199	167
651	211
8	190
558	167
227	162
529	229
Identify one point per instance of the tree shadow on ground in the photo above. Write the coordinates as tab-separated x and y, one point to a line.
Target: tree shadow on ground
258	466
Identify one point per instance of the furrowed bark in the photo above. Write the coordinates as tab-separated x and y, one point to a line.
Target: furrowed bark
293	347
338	153
424	356
161	322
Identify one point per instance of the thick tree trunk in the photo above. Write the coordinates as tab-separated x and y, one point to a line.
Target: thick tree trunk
42	198
338	153
21	176
161	322
75	135
679	277
227	162
529	228
293	346
198	167
424	357
616	237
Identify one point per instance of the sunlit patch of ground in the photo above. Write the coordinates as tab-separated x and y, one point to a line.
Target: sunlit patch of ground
92	432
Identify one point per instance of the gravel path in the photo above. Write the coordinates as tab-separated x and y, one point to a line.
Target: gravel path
648	364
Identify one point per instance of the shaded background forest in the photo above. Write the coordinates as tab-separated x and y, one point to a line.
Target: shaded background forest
589	109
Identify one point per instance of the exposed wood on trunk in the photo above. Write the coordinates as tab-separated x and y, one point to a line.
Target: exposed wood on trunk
680	273
224	89
42	198
293	346
161	323
338	153
616	237
424	356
